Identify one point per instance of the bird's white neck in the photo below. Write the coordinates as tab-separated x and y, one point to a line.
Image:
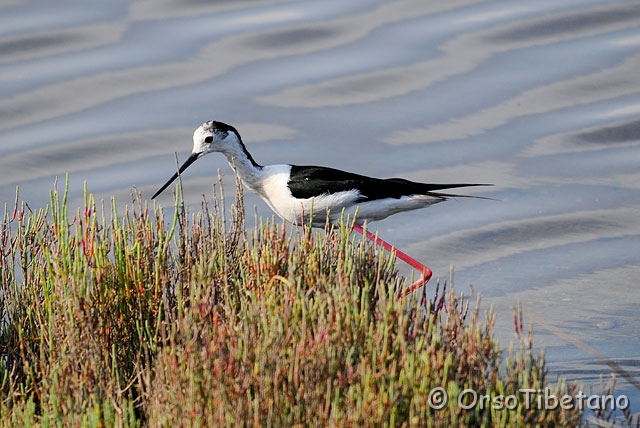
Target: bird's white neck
241	160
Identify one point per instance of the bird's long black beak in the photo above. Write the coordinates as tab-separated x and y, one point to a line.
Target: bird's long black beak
191	159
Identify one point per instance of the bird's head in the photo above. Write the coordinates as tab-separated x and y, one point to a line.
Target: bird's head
213	136
209	137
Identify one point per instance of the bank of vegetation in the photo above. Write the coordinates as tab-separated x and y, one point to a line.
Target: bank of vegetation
117	316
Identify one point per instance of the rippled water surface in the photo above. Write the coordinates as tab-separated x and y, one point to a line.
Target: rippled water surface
540	98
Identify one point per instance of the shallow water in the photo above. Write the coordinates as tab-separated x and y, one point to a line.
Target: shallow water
540	98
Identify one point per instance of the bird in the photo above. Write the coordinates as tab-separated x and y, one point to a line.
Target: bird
315	194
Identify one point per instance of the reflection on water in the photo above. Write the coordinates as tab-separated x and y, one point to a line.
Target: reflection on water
540	98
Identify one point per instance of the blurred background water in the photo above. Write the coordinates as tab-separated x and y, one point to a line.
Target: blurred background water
540	98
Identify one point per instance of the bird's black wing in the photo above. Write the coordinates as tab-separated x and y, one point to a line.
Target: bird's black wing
310	181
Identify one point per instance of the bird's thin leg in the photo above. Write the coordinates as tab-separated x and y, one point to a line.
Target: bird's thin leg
424	270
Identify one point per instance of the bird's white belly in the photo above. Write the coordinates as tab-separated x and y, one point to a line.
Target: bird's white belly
379	209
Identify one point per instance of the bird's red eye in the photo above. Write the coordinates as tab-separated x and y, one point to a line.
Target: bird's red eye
208	140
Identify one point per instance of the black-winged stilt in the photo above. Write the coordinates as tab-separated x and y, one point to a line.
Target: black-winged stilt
313	193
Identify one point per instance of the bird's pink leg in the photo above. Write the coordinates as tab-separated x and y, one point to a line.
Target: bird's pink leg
424	270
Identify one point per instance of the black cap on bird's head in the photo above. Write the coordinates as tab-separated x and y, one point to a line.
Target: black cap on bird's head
208	137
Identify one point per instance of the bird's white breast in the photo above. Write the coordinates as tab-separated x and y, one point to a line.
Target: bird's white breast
275	192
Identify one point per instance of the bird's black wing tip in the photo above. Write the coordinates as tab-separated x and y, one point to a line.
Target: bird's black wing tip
453	195
451	186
